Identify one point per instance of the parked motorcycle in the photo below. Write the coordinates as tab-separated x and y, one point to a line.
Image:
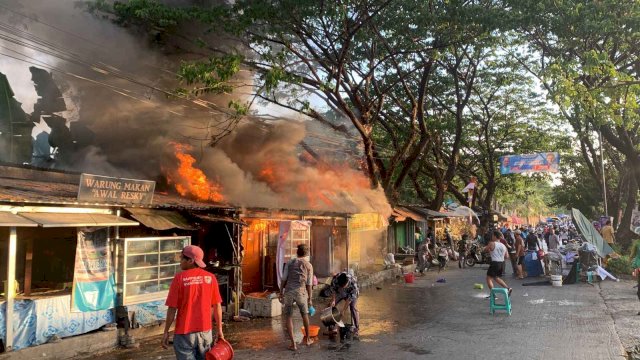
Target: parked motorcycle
476	256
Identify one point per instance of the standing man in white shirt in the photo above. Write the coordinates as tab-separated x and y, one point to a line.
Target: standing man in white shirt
498	255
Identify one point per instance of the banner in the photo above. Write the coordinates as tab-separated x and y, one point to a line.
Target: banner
283	236
93	278
365	222
540	162
635	221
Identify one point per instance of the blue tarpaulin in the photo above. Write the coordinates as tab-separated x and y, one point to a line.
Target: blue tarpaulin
35	321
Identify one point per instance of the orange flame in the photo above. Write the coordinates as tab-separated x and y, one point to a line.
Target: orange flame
191	181
314	194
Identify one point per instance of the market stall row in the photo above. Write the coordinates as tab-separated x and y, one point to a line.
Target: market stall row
73	265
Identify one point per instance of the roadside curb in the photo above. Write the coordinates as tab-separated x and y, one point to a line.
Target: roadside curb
621	302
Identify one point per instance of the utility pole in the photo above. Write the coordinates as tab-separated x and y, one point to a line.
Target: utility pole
604	178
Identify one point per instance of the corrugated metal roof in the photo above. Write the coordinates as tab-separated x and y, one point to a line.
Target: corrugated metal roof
160	219
48	220
401	213
10	219
214	218
42	192
430	214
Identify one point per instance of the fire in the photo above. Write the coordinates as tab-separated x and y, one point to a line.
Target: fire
191	181
319	185
275	174
314	194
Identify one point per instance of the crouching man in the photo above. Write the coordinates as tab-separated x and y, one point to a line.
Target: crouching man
344	287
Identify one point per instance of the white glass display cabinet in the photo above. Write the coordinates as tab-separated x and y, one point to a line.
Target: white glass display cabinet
149	267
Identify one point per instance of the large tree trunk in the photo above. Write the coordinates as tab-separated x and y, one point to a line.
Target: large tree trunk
369	156
625	236
490	191
441	189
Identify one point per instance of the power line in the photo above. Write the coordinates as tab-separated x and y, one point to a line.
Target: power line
35	43
43	46
95	45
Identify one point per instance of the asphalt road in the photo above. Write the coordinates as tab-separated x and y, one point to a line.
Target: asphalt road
429	320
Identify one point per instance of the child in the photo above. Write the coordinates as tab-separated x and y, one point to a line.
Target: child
443	254
462	251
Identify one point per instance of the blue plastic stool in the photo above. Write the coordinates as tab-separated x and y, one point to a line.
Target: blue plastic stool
492	300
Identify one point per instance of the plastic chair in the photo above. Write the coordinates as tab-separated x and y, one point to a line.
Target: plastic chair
492	300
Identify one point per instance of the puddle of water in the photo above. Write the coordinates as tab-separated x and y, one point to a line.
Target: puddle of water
569	303
559	302
369	340
377	327
413	349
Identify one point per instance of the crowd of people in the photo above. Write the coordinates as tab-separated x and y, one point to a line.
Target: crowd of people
501	244
194	296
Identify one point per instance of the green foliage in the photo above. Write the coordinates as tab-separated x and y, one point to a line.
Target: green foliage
210	76
366	61
620	266
578	188
239	108
635	248
150	13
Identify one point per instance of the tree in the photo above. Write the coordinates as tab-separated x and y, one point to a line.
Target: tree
372	61
588	60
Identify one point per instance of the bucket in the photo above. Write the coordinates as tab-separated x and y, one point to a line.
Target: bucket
314	330
590	277
331	316
556	280
222	350
408	278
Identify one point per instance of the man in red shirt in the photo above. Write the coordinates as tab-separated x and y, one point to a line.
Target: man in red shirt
193	293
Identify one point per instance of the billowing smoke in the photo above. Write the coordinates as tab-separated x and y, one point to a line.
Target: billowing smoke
119	120
265	167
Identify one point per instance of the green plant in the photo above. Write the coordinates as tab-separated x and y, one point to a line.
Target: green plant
620	266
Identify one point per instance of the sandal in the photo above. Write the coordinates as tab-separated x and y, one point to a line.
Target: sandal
292	347
510	291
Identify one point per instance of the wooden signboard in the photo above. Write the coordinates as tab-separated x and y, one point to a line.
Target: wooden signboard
104	189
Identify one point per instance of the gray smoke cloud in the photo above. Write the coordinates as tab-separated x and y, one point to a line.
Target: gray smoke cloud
123	126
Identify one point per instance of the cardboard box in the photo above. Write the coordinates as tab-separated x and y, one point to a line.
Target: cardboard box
263	306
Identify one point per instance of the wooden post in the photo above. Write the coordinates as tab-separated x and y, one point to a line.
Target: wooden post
348	242
11	287
28	267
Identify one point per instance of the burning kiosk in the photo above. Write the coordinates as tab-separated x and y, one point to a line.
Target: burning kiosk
42	221
70	292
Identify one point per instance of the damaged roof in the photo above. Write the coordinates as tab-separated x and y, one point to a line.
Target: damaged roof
24	184
27	185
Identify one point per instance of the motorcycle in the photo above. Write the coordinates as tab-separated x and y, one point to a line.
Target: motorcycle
476	256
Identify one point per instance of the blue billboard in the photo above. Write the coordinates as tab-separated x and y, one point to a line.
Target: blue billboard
526	163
